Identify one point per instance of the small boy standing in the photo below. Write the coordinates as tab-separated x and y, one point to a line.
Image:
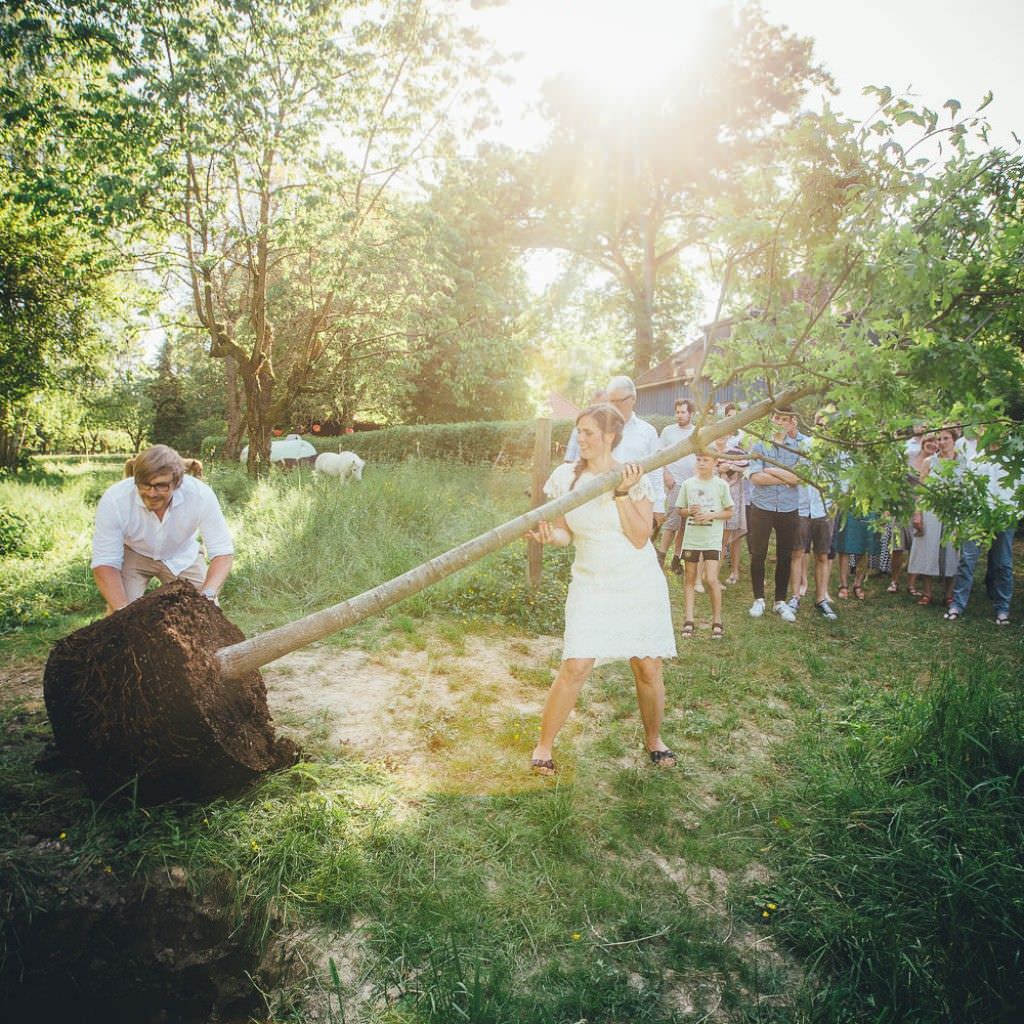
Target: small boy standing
706	502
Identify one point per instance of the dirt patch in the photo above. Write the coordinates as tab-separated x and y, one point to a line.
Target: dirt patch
394	705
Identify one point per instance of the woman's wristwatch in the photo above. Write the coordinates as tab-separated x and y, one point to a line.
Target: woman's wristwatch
620	494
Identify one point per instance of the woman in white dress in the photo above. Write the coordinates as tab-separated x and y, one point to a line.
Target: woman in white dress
929	557
618	604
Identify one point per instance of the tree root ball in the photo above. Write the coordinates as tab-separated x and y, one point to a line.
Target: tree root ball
139	695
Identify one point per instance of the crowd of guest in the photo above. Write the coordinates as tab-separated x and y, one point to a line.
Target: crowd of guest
767	494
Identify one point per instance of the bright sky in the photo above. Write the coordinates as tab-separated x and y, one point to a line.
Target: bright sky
937	48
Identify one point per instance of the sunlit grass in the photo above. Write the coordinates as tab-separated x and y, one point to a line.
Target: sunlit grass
459	886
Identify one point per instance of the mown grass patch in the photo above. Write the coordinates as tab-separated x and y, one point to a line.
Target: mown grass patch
472	890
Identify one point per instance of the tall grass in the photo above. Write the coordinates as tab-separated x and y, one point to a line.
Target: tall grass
884	834
899	848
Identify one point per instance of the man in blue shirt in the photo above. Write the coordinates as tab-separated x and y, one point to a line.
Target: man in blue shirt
774	505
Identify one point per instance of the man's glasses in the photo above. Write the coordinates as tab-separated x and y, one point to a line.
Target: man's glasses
155	488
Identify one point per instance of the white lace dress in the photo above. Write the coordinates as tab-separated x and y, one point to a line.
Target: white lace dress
618	606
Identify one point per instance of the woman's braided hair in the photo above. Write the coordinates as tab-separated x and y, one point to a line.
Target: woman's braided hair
609	421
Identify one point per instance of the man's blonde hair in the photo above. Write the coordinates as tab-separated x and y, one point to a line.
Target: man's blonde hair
158	460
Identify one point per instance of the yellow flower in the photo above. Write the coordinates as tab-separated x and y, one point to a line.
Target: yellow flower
773	906
255	846
576	936
764	913
108	869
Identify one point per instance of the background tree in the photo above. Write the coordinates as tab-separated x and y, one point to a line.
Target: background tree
627	183
166	395
872	265
276	107
51	297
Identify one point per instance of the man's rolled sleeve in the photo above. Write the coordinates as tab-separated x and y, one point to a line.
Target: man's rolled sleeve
108	536
214	528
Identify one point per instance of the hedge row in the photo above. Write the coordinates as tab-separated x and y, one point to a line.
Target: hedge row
502	441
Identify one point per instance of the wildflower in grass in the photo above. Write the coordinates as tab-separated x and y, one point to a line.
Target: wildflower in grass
63	836
255	846
107	869
576	936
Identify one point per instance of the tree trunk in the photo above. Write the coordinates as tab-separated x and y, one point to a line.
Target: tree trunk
250	654
235	419
258	391
643	307
11	438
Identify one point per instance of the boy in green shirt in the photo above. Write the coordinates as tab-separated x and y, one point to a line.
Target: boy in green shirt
706	502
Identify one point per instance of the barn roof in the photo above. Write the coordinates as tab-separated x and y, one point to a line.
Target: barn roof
675	366
561	407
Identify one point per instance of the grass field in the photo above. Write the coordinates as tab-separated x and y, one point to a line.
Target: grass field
844	833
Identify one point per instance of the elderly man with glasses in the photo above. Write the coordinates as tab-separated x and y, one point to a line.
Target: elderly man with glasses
147	527
639	438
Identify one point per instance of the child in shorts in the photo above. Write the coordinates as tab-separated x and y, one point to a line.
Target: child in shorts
706	502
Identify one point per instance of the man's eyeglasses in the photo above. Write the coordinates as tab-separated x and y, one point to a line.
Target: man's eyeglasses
624	398
164	488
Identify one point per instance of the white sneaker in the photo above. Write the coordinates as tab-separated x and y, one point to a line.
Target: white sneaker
794	602
785	612
757	608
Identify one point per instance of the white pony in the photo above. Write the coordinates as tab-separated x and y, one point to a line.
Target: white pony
343	465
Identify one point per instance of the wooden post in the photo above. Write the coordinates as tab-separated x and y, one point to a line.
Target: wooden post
541	472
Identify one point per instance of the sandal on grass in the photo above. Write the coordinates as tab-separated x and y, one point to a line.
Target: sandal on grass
687	629
663	758
952	615
913	592
858	592
542	766
924	599
843	592
717	631
893	588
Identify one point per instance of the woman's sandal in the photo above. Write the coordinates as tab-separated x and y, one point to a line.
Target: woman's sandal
893	588
913	592
843	592
542	766
687	629
858	592
663	758
924	600
952	615
717	631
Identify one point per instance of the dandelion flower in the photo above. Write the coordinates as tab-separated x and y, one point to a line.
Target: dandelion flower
576	936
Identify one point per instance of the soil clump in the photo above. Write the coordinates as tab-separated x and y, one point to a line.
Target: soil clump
138	694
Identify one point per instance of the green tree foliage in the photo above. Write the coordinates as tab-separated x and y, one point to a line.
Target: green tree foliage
874	266
50	294
627	184
468	344
167	396
72	155
296	115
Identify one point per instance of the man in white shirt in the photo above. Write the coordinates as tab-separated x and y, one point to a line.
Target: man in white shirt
147	526
673	476
639	438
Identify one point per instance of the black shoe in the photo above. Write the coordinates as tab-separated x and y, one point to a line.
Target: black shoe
677	565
